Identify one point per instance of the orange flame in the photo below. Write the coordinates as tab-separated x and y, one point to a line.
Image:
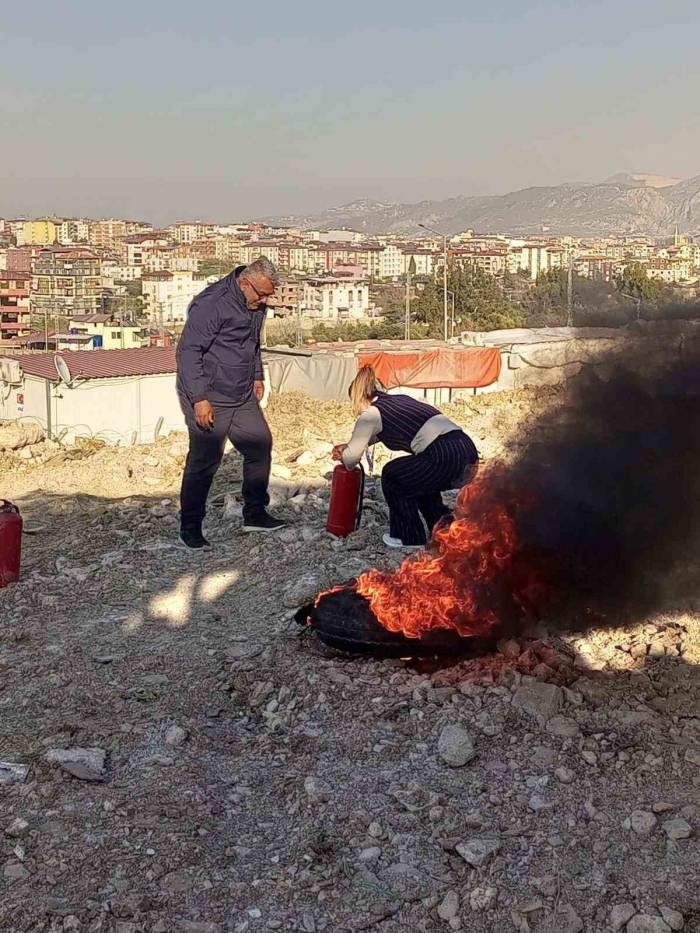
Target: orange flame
470	577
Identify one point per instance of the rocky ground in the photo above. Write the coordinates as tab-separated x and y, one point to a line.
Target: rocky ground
176	754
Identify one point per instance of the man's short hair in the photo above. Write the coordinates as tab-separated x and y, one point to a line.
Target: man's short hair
262	268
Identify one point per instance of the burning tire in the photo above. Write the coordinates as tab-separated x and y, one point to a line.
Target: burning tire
342	619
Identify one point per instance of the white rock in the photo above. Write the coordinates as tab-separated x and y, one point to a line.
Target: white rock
288	535
175	736
645	923
642	822
11	773
539	700
317	790
281	471
620	914
18	827
673	918
455	746
563	726
302	591
151	461
478	851
482	898
449	907
305	459
87	764
677	829
370	855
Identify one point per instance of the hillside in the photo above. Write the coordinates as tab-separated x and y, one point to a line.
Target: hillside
632	204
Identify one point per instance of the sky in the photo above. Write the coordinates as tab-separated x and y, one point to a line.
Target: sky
227	111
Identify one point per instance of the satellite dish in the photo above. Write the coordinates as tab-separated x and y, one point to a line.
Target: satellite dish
62	369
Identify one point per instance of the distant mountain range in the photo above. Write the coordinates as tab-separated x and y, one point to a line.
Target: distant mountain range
624	203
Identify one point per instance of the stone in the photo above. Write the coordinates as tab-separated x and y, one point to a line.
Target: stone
674	918
642	822
151	461
406	882
540	700
566	920
646	923
589	757
692	756
14	871
620	914
478	852
455	746
288	535
482	898
565	775
87	764
449	906
11	773
175	736
302	591
17	828
305	459
281	471
370	855
317	790
563	726
677	829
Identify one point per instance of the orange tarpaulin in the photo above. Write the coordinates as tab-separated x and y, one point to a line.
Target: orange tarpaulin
434	369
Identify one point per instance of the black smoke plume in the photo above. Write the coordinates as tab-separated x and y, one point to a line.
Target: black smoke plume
610	485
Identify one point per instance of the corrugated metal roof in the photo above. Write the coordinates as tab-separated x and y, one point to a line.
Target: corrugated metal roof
102	364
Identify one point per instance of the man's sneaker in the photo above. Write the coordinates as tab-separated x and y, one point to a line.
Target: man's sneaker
398	543
263	522
193	539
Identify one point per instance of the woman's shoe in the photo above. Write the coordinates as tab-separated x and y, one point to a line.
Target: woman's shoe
398	543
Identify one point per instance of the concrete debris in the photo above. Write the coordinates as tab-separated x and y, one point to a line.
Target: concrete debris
11	773
87	764
540	700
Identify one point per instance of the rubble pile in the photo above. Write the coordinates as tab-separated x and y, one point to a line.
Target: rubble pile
177	756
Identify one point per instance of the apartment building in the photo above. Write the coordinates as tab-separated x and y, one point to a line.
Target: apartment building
72	232
14	305
135	248
106	234
167	295
66	281
334	299
37	233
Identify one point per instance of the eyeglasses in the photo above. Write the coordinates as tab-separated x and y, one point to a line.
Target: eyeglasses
263	296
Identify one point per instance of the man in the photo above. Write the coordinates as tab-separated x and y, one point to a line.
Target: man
220	384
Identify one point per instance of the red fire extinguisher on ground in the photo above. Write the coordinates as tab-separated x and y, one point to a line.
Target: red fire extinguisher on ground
345	509
10	542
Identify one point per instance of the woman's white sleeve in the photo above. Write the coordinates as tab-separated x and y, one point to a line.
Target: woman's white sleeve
367	426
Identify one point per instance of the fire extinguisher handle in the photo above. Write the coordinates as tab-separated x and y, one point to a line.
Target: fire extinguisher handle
362	497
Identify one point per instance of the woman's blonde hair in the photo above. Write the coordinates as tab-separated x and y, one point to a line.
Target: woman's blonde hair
363	388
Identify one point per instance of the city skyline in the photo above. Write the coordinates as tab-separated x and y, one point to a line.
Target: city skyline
171	111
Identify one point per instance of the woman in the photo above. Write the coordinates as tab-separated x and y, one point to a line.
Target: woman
442	456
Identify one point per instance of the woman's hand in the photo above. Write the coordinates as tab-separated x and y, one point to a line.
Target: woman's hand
338	451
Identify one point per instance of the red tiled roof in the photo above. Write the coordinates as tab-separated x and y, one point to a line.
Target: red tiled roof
103	364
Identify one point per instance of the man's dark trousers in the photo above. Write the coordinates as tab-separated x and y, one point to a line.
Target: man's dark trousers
246	428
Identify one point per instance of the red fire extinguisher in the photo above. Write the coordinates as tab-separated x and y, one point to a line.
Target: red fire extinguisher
10	542
345	509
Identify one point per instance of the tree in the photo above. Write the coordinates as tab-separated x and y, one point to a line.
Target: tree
634	281
480	303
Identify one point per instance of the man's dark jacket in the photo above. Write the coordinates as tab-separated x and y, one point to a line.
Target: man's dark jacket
218	355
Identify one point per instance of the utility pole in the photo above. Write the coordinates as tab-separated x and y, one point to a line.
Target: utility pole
444	274
570	290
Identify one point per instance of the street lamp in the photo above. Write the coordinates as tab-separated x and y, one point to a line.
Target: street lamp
444	271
